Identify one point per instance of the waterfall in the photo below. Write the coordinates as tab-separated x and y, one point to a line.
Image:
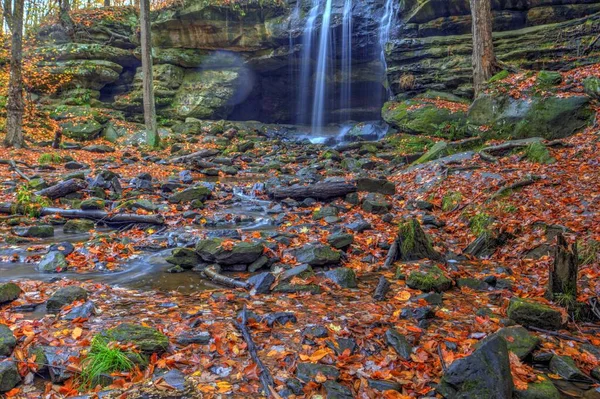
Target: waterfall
306	65
320	96
387	22
346	70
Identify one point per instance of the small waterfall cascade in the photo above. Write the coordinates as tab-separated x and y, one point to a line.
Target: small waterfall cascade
346	63
324	49
304	91
387	21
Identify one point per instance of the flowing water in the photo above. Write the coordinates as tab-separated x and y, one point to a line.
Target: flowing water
305	90
387	21
346	63
323	63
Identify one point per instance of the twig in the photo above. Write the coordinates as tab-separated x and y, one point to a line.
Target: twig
265	376
14	167
218	278
518	184
43	364
559	335
441	356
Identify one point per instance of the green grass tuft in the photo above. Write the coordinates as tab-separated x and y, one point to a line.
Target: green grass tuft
588	251
538	153
102	359
48	159
451	200
28	203
480	223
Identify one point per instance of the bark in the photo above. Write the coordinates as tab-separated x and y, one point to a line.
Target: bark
64	9
484	60
563	273
414	244
220	279
63	189
392	255
98	216
148	90
15	105
318	191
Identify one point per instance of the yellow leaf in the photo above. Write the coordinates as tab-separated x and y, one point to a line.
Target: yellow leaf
403	296
77	331
320	354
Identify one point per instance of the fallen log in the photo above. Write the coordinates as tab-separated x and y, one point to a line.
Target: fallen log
63	189
14	167
220	279
383	286
511	145
318	191
265	376
98	216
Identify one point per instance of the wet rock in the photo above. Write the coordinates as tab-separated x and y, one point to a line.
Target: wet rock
376	203
336	390
340	240
52	262
290	288
93	204
359	226
64	296
147	339
241	252
185	176
591	87
529	313
420	313
381	186
200	193
432	279
65	247
538	390
382	385
315	332
518	340
7	341
398	341
57	359
75	226
39	231
174	378
473	284
99	148
83	311
343	344
343	276
308	371
191	337
279	318
485	374
258	264
567	369
430	220
184	257
261	283
432	298
72	165
327	211
317	255
9	292
9	375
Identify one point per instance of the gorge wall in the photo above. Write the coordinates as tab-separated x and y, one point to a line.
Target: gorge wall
244	62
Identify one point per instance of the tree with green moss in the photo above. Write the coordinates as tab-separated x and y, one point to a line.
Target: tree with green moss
13	13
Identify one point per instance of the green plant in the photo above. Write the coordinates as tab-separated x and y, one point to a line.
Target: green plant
408	144
588	251
47	159
28	202
480	223
103	358
407	81
453	130
538	153
451	200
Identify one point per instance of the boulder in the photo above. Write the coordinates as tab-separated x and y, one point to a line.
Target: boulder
518	340
421	116
343	276
184	257
148	340
7	341
65	296
538	390
39	231
92	204
399	343
591	87
376	203
317	255
240	252
9	375
371	185
9	292
431	279
340	240
567	369
200	193
529	313
548	117
485	374
75	226
53	262
308	371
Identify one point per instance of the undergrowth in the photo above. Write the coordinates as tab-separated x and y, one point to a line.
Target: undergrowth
28	202
47	159
538	153
480	223
103	358
451	200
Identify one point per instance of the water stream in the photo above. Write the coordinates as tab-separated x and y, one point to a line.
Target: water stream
346	63
387	21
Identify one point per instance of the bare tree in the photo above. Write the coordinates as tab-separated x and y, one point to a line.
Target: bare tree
484	59
15	104
152	138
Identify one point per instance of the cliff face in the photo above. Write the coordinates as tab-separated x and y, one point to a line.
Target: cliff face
243	62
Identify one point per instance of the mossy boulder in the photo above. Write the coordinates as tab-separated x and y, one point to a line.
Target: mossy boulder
565	367
239	253
376	203
538	390
421	116
317	255
53	262
518	340
81	129
37	231
7	341
9	292
549	78
148	340
432	279
591	87
200	193
343	276
9	375
92	204
548	117
65	296
185	257
529	313
76	226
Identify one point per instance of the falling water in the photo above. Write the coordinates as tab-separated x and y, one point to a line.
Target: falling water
305	64
387	22
346	70
318	110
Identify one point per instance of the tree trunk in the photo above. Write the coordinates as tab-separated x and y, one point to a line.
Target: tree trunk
64	7
106	3
484	60
319	191
15	105
152	138
563	273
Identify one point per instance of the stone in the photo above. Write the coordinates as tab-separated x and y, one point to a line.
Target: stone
301	271
241	252
343	276
473	284
529	313
9	375
65	296
184	257
308	371
261	283
485	374
315	332
9	292
258	264
53	262
325	212
290	288
376	203
518	340
7	341
92	204
438	150
591	87
75	226
200	193
336	390
99	148
383	385
65	247
83	311
567	369
549	78
398	341
173	378
432	279
538	390
421	116
189	338
39	231
371	185
340	240
317	255
57	359
149	340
